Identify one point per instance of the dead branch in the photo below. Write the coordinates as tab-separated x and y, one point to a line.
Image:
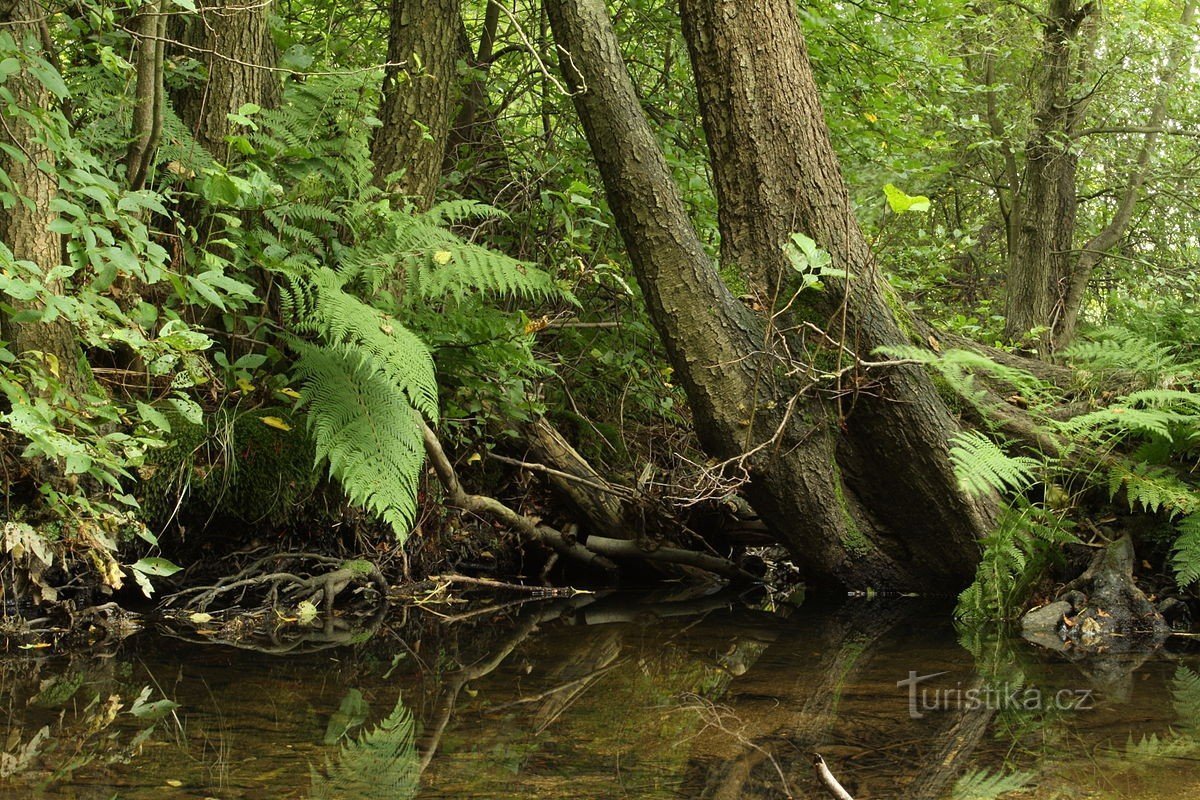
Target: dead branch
831	783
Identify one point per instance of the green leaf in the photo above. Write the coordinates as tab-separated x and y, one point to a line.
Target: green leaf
155	417
901	202
160	567
9	66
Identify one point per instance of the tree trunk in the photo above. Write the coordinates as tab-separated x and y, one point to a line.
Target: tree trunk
814	491
233	39
418	92
1095	249
1043	219
24	228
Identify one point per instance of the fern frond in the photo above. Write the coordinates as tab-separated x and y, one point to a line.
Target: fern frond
363	424
1151	487
381	763
1185	697
981	466
984	785
456	212
319	305
1185	556
1120	422
1119	350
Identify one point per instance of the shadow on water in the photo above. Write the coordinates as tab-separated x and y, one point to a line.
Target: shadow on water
683	695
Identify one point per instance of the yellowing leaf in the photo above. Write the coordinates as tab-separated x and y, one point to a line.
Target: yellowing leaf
901	202
871	117
245	385
442	257
306	612
199	618
174	784
275	422
289	392
474	458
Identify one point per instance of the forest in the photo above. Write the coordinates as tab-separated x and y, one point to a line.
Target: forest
302	303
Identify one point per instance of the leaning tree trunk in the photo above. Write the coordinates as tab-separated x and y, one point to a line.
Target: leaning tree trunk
25	227
776	173
418	92
233	39
815	489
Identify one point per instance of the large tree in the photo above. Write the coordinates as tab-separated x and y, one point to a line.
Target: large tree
28	159
847	458
418	96
232	38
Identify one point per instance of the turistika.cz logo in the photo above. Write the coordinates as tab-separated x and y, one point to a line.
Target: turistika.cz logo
924	699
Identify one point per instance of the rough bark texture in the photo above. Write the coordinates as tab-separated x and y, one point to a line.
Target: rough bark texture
1043	216
418	90
24	228
233	40
776	173
738	394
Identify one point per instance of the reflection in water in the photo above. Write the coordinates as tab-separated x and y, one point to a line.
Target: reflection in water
683	696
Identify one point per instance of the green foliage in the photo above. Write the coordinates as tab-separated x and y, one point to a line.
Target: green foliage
382	762
1185	559
983	785
365	426
982	467
1027	538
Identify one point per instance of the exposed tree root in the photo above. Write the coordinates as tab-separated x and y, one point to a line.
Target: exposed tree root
594	551
286	577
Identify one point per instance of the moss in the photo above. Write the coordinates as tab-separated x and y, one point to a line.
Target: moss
234	467
853	538
902	315
358	566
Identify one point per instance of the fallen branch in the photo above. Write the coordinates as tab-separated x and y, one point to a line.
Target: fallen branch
481	504
831	783
625	548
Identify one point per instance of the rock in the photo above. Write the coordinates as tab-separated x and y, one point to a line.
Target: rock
1045	619
1117	616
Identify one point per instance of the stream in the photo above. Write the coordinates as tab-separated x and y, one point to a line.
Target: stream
676	694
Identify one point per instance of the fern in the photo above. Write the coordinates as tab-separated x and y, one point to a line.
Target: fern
318	305
1025	540
984	785
981	466
1185	555
1117	350
432	262
1185	697
1151	487
381	763
364	425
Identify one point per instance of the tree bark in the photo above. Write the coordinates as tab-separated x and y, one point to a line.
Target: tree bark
24	228
151	27
233	40
1043	218
418	93
814	488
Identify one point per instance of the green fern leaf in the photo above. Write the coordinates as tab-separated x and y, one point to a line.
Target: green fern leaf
981	466
1185	558
363	424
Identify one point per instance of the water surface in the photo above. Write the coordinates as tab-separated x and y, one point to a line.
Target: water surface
667	696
